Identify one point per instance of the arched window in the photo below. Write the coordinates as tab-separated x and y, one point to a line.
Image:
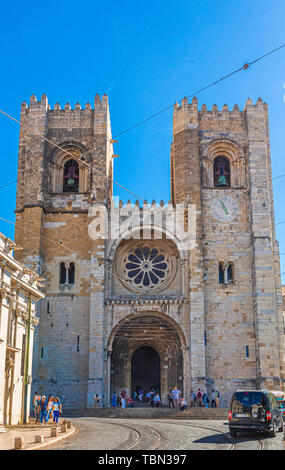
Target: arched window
221	273
71	272
222	172
62	273
230	273
71	177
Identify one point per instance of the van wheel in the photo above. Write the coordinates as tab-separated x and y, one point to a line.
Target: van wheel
233	433
273	432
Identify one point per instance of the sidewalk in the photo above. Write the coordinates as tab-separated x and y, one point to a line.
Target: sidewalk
28	432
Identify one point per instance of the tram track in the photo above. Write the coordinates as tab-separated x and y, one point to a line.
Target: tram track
157	434
235	445
141	437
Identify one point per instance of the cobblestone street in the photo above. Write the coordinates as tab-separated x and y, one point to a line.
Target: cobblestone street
133	434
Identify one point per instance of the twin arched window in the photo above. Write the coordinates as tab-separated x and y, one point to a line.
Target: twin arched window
222	172
226	273
66	273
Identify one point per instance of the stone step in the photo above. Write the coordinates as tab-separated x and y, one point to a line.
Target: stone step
158	413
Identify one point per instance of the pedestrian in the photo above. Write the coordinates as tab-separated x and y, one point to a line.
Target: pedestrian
135	396
114	400
37	409
170	399
56	409
199	397
123	398
49	408
140	394
217	398
96	400
192	399
183	404
213	402
175	393
205	400
43	409
35	397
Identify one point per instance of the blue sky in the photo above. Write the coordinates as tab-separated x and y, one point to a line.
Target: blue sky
145	55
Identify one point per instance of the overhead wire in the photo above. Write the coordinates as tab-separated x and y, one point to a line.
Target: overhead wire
152	116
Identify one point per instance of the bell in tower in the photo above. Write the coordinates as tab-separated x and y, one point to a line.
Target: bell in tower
221	172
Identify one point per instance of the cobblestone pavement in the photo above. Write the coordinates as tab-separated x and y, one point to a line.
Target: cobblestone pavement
135	434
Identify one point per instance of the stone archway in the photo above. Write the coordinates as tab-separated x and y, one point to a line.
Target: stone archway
146	330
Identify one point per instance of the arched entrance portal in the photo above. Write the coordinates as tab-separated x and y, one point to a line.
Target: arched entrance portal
145	369
146	352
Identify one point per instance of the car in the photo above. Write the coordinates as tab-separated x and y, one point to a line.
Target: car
254	410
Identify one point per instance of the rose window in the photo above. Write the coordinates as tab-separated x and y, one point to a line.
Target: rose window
146	266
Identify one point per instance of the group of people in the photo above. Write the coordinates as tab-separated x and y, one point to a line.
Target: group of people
46	408
201	399
176	400
122	400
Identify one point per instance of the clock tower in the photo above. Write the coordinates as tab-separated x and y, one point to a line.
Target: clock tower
220	161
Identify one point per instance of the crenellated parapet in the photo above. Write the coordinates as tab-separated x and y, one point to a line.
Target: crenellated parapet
188	116
144	204
100	104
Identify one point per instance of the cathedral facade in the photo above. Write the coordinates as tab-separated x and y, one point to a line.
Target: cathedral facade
129	312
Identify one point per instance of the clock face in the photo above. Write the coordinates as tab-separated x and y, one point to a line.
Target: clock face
224	208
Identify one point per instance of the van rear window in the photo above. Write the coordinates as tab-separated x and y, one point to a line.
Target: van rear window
246	399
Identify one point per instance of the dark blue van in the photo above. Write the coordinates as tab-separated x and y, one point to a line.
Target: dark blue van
254	410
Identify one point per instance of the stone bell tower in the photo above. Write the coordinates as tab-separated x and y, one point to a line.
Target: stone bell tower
221	162
57	186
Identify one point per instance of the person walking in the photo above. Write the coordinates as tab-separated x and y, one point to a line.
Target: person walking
176	393
199	397
43	409
213	401
56	409
170	399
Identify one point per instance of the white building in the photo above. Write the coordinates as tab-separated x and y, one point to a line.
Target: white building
18	295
